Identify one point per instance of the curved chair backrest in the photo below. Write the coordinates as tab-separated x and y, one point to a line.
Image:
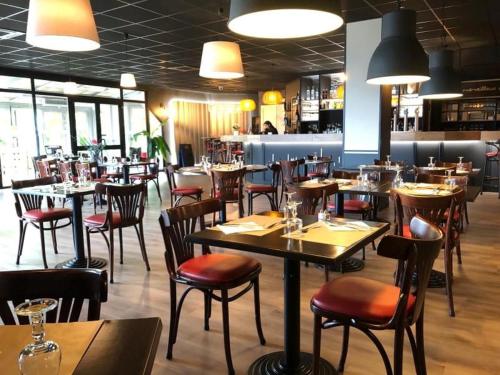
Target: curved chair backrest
170	170
423	170
225	183
70	287
461	181
311	196
31	201
276	178
176	223
64	168
43	168
417	255
288	169
128	199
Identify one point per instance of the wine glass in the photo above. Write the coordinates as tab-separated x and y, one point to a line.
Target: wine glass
388	162
286	208
40	357
460	165
294	223
315	156
431	161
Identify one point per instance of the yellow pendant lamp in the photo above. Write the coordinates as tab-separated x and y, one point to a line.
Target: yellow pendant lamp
62	25
272	97
247	105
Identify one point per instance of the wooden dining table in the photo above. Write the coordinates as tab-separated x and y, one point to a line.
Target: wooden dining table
126	166
76	194
105	347
198	170
320	248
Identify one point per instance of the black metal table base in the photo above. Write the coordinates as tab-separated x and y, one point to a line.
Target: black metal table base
436	281
82	263
274	364
348	265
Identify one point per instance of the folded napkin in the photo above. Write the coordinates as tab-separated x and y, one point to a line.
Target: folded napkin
248	226
348	226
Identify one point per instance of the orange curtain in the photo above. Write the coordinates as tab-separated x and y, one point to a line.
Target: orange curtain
195	120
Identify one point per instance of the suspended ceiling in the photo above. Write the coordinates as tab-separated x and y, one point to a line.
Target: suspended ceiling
166	38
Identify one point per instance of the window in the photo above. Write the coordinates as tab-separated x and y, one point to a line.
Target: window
135	121
134	95
57	87
86	127
15	83
53	122
110	124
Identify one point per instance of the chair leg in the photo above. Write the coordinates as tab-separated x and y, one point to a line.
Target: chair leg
208	309
345	347
364	253
459	251
120	239
225	324
327	274
420	343
399	335
250	208
158	189
54	239
111	250
448	266
42	240
258	323
414	349
173	313
22	233
316	344
89	251
143	245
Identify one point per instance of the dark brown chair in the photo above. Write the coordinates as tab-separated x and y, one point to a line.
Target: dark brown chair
312	196
69	287
354	205
424	170
30	210
433	209
401	163
150	172
43	168
369	305
207	273
270	191
129	199
228	187
320	170
193	192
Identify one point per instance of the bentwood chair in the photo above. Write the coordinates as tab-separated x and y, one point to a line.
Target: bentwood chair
269	191
228	187
193	192
354	205
320	170
129	200
43	168
69	287
370	305
208	273
433	209
149	173
30	210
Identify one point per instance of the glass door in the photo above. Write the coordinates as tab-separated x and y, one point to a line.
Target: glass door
97	122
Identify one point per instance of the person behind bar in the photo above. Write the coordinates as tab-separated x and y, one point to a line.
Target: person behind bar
269	128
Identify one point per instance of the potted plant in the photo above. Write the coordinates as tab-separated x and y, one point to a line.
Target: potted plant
236	129
156	143
94	148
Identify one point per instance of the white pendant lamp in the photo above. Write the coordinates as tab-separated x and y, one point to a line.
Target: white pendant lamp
284	19
221	60
127	80
70	88
62	25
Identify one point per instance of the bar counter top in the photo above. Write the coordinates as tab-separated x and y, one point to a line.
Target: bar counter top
446	136
283	138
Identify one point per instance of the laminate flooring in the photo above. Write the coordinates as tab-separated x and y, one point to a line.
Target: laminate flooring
467	344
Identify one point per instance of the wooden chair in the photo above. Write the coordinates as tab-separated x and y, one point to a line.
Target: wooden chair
369	305
43	168
89	169
228	187
354	205
424	170
193	192
30	210
270	191
149	173
401	163
70	287
320	170
129	199
65	168
433	209
207	273
312	196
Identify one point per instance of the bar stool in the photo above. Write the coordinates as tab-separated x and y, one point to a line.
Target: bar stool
490	158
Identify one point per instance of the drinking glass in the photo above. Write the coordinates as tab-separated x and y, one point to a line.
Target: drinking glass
315	156
134	158
113	160
287	209
388	162
460	165
40	357
293	223
431	162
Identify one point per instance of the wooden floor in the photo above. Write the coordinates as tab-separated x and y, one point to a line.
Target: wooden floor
467	344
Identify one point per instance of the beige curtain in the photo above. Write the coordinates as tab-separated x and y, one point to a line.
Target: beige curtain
195	120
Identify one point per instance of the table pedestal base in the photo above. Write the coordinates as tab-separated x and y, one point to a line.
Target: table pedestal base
274	364
82	263
437	279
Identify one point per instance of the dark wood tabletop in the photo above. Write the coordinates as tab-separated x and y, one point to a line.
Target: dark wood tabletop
57	190
275	245
122	347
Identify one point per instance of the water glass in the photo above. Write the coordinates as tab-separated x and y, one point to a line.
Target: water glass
293	225
315	156
431	162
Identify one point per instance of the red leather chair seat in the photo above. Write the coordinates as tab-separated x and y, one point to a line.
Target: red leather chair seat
492	154
406	231
233	196
361	298
254	188
216	269
188	190
99	219
352	205
47	214
143	177
238	152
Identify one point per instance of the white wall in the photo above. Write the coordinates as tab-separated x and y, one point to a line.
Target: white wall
362	101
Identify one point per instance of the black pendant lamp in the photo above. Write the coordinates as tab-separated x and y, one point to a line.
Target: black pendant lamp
399	58
284	19
445	82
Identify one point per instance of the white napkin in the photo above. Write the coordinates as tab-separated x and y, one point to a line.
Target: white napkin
349	226
249	226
